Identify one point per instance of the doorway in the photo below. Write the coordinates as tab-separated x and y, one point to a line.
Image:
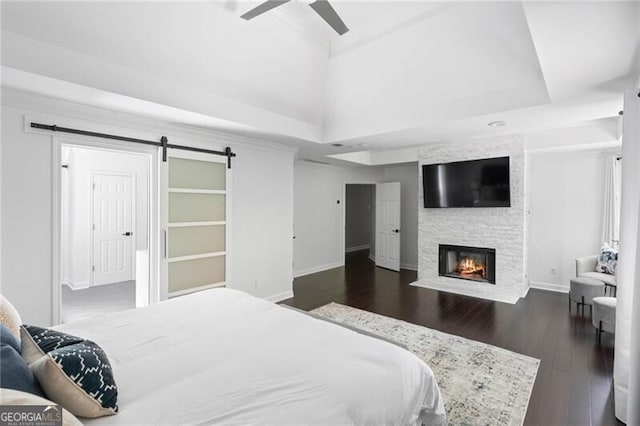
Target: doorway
105	228
360	221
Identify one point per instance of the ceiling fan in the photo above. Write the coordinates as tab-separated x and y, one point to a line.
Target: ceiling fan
321	7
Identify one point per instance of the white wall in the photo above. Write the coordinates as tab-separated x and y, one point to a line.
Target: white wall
26	219
318	213
566	195
82	163
319	225
262	223
359	211
262	197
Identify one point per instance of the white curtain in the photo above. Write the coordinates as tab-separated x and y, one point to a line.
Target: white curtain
626	364
611	214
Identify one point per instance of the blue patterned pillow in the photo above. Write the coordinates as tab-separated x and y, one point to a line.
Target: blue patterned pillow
37	341
72	371
608	260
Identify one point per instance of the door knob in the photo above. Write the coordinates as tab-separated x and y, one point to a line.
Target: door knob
397	231
128	234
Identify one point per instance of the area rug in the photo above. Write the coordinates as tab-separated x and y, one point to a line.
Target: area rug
481	384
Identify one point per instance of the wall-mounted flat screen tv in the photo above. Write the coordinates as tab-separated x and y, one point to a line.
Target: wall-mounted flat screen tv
476	183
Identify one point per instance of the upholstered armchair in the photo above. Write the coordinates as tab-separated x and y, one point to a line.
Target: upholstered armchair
586	267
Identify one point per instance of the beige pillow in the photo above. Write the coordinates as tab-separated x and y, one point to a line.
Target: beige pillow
15	397
9	316
61	389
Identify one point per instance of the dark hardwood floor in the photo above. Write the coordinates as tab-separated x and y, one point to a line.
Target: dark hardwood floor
574	382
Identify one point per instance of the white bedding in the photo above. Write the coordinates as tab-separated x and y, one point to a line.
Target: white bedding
222	356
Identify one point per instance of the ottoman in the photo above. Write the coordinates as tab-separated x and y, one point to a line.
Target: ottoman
604	315
582	290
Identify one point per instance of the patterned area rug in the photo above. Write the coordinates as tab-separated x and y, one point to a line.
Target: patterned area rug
481	384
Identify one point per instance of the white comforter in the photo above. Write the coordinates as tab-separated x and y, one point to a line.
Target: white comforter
222	356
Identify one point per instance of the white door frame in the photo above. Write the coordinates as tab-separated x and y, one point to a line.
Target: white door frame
134	230
343	237
56	190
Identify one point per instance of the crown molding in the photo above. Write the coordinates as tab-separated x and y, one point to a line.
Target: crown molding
55	107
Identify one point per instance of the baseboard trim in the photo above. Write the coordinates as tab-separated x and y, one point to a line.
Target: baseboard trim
409	266
279	297
356	248
549	287
77	286
318	268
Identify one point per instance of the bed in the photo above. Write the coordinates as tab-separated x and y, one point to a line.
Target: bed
223	356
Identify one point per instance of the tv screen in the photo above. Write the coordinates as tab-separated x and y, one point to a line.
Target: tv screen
477	183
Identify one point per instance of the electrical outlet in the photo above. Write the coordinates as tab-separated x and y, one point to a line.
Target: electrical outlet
553	271
257	283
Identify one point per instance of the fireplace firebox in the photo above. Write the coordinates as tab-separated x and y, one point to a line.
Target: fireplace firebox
467	263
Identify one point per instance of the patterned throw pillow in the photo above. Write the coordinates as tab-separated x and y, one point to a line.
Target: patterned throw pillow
608	260
73	372
37	341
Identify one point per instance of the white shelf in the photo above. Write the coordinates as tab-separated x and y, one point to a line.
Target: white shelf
196	256
197	191
187	224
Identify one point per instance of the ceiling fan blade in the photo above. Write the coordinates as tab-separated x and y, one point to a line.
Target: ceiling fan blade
263	7
328	13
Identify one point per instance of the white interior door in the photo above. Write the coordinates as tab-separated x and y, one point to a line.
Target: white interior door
388	225
112	228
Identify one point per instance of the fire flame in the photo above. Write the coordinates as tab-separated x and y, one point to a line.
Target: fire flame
468	266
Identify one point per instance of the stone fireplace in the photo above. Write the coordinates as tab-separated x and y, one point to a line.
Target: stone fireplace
467	263
503	229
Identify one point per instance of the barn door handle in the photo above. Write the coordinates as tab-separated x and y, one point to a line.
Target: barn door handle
164	245
128	234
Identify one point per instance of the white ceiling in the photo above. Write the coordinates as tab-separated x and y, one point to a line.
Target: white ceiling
407	73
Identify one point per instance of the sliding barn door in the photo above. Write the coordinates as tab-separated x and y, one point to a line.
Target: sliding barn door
388	225
195	235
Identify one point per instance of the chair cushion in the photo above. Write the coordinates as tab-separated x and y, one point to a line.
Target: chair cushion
15	372
606	278
583	289
604	310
